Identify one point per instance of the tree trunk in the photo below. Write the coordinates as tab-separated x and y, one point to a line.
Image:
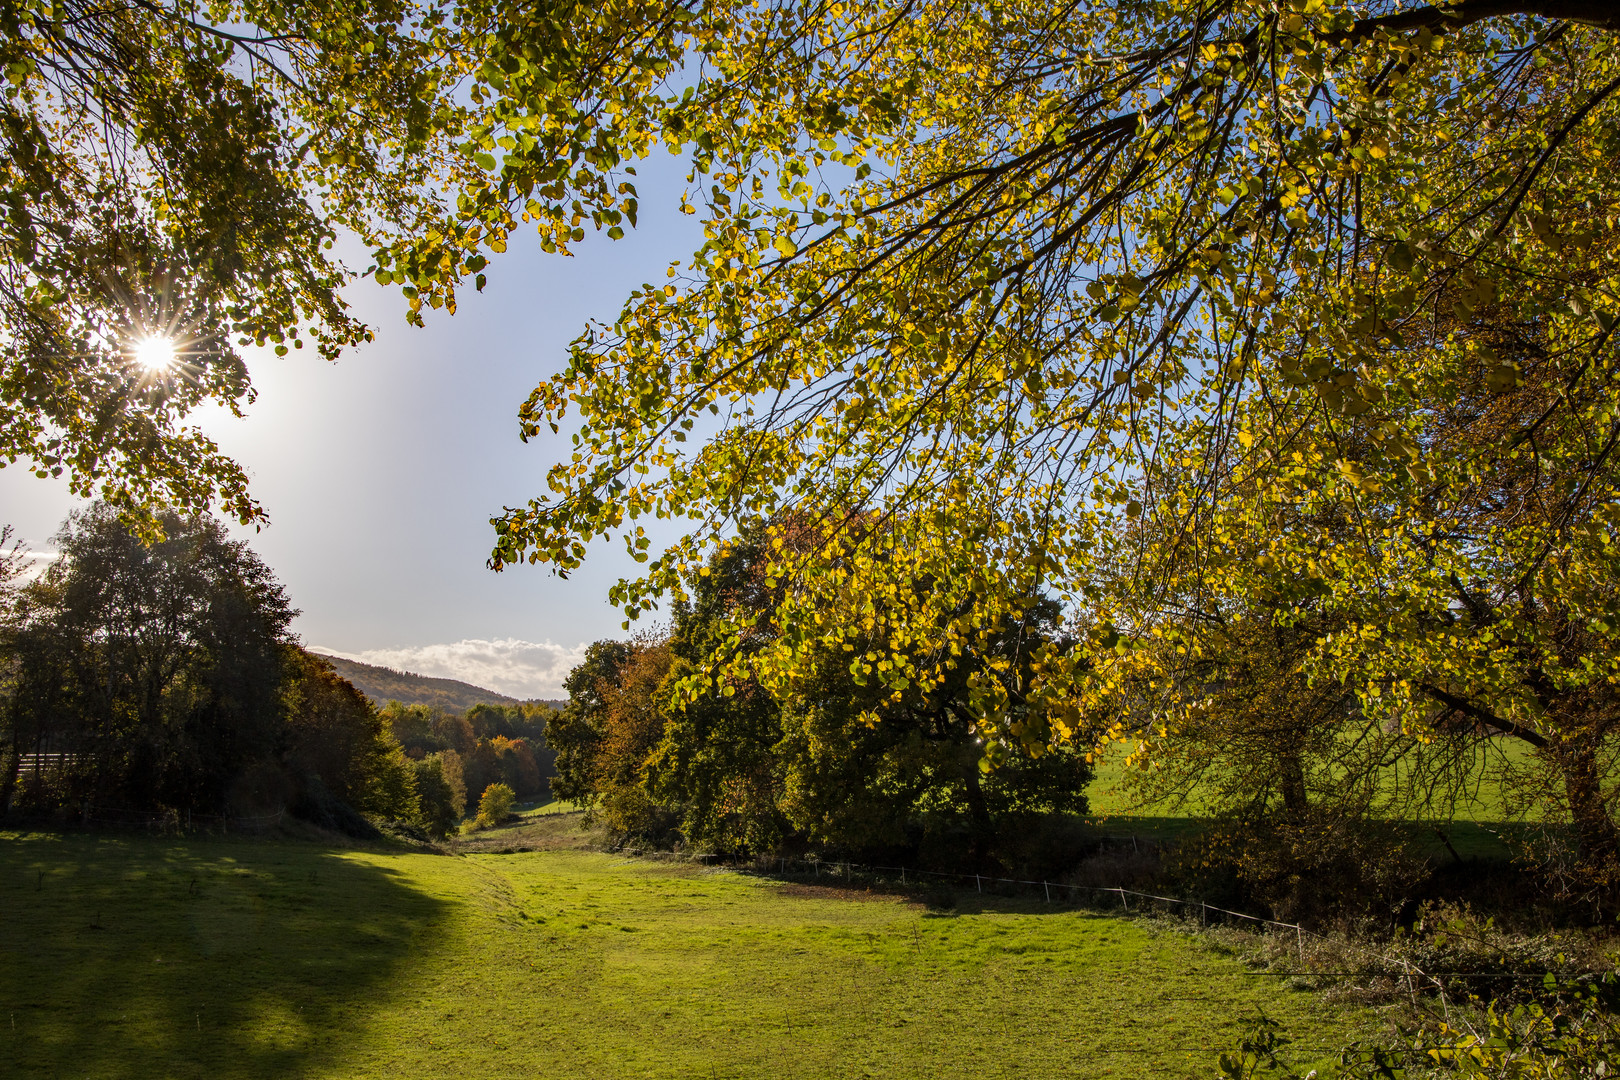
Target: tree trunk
10	766
1291	782
1594	829
977	810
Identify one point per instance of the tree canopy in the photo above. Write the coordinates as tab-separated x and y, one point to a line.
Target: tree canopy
1174	309
182	172
157	670
655	746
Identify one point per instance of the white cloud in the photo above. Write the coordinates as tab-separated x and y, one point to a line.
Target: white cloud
520	669
34	563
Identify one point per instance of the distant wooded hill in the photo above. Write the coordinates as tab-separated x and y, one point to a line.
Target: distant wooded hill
383	685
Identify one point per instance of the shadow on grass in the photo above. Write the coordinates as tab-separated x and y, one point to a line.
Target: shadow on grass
127	956
1442	841
956	895
1462	855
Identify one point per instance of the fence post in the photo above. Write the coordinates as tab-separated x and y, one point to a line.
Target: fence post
977	884
1123	900
902	877
1048	889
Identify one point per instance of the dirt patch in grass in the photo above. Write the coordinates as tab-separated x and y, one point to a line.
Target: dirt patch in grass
800	890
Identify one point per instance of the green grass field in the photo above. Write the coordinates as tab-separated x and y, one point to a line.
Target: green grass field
1482	826
128	956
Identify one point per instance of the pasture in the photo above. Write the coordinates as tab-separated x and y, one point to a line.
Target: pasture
1484	824
136	956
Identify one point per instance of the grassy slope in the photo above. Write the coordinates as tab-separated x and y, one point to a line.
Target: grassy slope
135	957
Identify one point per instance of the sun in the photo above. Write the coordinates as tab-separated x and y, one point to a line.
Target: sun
155	352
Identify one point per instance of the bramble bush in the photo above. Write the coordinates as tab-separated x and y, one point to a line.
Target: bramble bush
1568	1031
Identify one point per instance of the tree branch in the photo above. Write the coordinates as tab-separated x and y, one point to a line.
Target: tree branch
1604	14
1485	716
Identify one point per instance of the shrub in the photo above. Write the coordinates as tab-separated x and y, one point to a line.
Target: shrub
1571	1032
438	803
1314	866
495	804
633	816
1568	1032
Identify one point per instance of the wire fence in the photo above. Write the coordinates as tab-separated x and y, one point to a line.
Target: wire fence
1052	891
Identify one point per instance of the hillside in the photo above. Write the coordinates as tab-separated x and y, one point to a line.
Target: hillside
383	684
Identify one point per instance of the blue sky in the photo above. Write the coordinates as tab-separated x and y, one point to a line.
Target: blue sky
380	472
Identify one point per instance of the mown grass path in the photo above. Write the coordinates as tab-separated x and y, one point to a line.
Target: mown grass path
140	957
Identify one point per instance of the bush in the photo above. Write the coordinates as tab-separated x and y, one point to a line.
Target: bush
495	804
1568	1032
633	816
1571	1032
438	803
1316	867
1040	845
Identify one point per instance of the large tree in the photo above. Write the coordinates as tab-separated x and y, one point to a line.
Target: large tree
829	757
156	671
1117	300
163	676
578	732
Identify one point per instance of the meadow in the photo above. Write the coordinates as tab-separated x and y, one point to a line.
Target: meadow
139	956
1483	825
